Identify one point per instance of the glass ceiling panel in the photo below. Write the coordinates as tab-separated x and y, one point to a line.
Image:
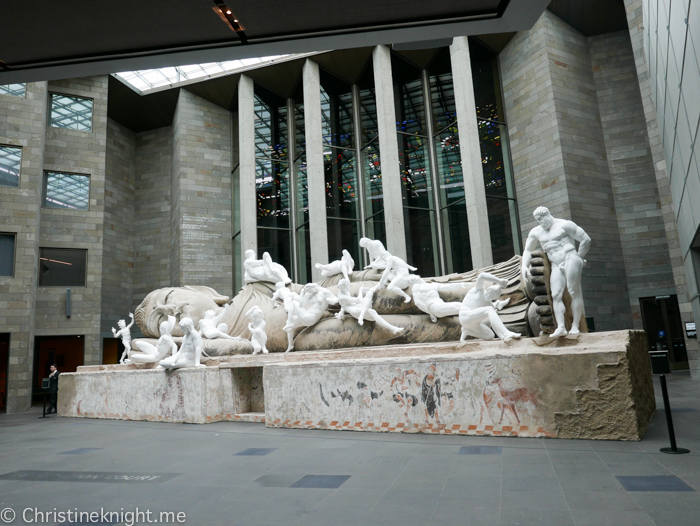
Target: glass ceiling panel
149	79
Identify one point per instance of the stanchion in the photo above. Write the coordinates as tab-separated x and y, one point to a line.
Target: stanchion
43	413
673	450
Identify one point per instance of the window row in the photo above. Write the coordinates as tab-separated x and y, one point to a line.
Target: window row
58	267
61	190
65	111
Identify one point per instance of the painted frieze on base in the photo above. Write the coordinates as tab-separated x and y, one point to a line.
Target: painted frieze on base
594	386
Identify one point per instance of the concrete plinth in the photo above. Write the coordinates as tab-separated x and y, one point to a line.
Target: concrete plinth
595	386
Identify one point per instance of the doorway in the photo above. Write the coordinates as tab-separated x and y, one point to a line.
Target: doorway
67	352
662	323
4	366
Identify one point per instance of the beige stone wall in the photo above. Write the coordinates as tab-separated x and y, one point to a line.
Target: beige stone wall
22	123
79	152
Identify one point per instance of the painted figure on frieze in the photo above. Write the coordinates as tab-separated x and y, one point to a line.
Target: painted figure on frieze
558	238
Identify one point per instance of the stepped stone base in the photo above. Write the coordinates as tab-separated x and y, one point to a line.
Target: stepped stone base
594	386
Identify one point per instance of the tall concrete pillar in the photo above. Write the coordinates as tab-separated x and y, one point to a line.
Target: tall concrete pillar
318	228
246	169
470	150
389	148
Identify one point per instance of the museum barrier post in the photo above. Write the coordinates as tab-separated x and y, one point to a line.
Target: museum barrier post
660	365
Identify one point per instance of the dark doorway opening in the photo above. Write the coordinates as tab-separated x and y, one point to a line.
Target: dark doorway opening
112	350
4	367
662	323
67	352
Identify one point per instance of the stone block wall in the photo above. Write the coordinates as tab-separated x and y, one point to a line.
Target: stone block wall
639	214
559	154
201	195
119	218
22	123
81	152
672	112
151	225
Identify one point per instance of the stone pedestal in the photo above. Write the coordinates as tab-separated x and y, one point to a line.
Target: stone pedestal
596	386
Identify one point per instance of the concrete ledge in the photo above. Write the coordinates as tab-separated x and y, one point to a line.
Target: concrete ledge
597	385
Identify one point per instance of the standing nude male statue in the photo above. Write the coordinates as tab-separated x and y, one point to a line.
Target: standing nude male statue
558	239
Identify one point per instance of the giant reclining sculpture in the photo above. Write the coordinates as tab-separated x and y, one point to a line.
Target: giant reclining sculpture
332	333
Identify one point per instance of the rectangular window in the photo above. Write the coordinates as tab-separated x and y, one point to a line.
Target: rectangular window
7	254
66	191
62	267
17	90
10	160
74	113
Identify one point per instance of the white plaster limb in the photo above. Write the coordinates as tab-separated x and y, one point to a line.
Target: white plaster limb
397	277
263	269
478	315
124	333
344	266
308	309
191	349
558	238
148	353
426	297
258	336
360	307
211	326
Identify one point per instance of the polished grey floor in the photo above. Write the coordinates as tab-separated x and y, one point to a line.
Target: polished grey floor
244	474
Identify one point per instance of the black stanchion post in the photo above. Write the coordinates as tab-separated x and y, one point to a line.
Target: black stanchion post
669	421
43	413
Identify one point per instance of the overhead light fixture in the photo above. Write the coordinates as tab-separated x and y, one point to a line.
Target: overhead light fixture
226	14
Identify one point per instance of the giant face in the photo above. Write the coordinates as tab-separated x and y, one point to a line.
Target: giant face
181	302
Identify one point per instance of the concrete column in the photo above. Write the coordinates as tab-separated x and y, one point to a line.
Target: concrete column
470	150
316	181
246	152
389	148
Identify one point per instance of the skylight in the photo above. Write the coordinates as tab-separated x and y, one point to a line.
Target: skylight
150	79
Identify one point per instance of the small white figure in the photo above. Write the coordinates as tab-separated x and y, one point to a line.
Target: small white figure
427	298
558	239
344	266
258	337
146	353
211	327
376	252
263	269
191	349
308	309
479	307
286	297
360	307
124	333
397	276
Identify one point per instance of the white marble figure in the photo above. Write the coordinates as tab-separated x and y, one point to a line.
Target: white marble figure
263	269
376	252
124	333
211	328
344	266
258	336
308	309
397	276
558	239
360	307
147	353
191	349
479	307
285	296
427	298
